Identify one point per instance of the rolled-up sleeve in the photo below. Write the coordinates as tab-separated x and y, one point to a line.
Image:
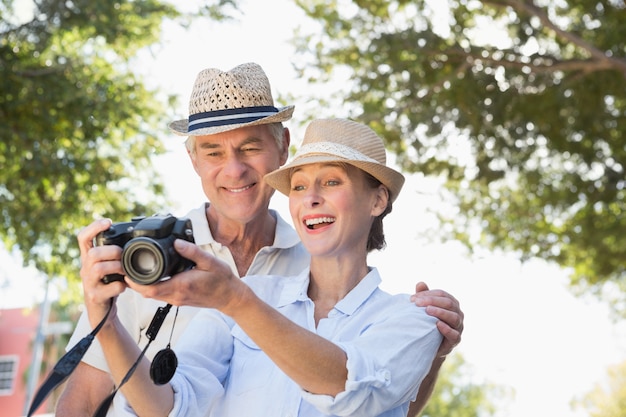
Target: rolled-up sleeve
386	363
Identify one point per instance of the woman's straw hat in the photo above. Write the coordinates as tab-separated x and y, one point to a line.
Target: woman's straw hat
340	140
222	101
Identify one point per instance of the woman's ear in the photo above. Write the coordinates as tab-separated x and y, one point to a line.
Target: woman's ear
381	202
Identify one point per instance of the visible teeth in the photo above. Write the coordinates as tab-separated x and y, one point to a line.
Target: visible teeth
239	190
319	220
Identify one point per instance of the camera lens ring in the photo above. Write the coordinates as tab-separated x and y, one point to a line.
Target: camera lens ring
143	260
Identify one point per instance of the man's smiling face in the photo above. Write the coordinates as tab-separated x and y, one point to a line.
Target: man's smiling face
231	166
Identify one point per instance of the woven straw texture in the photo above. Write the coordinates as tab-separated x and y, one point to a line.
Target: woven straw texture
340	140
242	87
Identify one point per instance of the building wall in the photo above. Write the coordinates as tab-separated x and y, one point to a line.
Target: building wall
18	328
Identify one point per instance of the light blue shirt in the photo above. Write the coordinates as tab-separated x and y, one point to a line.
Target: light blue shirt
286	256
390	344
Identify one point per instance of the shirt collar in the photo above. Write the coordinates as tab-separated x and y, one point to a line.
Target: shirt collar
201	231
284	236
296	290
359	294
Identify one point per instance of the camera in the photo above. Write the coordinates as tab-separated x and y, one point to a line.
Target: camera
147	243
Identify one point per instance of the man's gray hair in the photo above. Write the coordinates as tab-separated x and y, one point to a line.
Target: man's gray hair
276	130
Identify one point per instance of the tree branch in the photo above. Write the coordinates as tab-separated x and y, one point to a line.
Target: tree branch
528	8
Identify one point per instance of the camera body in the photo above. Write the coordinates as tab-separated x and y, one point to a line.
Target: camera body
147	243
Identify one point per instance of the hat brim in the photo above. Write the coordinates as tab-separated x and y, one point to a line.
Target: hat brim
181	127
280	179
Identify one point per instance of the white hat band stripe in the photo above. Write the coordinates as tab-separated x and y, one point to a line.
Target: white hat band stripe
230	117
335	149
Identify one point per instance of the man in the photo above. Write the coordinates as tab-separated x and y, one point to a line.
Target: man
235	137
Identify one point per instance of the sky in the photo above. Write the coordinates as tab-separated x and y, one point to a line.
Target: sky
524	329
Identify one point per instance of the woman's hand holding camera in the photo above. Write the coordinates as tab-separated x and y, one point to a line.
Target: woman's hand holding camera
210	284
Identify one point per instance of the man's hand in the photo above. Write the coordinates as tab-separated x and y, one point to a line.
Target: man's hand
446	308
96	262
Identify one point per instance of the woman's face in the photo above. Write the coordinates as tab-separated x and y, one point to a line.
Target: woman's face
332	207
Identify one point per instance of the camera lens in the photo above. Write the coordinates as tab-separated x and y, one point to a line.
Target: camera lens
143	260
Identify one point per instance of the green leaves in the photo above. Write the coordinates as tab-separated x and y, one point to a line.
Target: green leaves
79	128
535	95
455	395
607	399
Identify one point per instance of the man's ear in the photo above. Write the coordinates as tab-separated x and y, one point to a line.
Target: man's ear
286	142
192	157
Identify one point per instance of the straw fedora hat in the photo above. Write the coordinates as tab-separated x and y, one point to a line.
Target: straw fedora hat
222	101
340	140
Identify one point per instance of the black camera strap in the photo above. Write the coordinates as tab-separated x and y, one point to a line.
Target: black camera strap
66	365
165	362
152	332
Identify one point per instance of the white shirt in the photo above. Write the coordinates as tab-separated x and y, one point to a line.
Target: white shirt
390	344
286	256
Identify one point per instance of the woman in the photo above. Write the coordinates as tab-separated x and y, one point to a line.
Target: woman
326	342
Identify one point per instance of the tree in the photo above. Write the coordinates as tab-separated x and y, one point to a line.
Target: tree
525	125
79	128
607	400
455	395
